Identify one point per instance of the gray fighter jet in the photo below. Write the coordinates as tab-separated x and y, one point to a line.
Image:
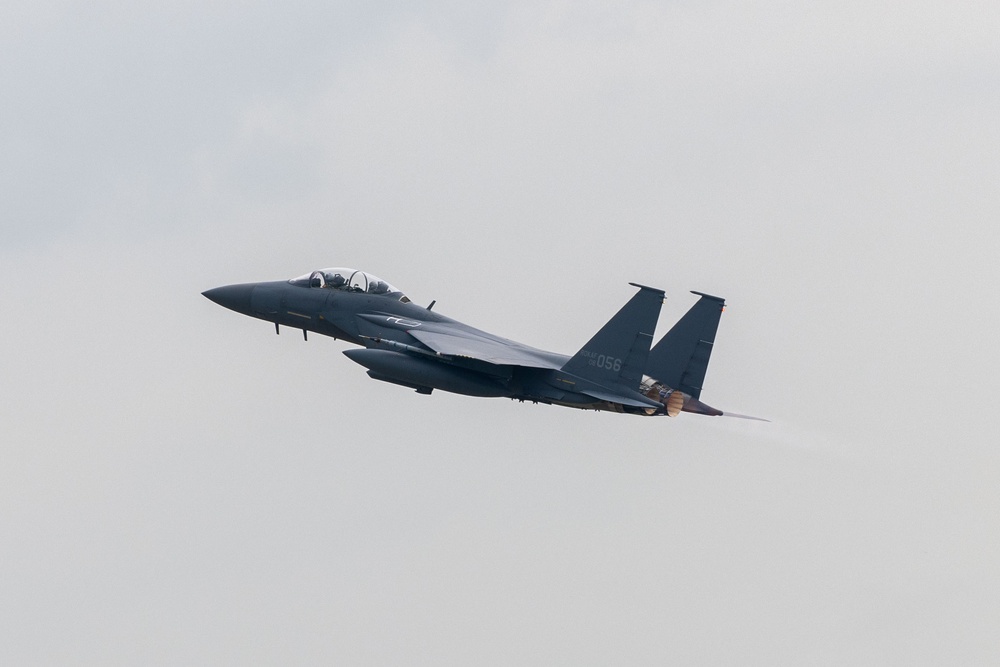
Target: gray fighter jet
618	370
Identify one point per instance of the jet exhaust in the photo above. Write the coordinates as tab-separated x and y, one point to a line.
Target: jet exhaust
673	400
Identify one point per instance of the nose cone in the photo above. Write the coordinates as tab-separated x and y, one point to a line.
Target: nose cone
233	297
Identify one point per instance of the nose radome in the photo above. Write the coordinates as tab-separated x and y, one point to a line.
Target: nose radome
233	297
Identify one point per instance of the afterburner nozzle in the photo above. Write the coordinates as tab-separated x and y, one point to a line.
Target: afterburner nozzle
674	404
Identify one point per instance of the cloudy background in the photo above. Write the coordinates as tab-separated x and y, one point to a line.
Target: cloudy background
180	486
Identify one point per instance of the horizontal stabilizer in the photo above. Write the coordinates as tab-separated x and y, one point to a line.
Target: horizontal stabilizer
638	401
695	406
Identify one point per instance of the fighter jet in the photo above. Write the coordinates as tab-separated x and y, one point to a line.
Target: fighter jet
618	370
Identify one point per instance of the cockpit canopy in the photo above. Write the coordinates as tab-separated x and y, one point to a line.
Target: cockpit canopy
348	280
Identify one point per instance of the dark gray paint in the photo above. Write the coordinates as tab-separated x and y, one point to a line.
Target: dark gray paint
413	346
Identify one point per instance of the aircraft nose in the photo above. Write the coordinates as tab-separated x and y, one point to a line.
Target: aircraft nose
233	297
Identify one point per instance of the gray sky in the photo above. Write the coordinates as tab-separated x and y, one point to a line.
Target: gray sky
180	486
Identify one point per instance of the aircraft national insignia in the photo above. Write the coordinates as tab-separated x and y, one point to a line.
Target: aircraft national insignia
406	324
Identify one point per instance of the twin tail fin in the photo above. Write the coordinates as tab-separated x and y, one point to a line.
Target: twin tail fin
680	359
616	356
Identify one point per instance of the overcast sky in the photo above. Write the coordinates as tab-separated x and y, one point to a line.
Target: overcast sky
180	486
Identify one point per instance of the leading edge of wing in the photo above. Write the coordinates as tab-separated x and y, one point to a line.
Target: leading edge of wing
491	351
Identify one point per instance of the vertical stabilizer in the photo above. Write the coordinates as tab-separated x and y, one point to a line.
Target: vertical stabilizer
680	359
616	355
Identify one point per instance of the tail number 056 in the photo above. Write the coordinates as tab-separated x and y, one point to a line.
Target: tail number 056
610	363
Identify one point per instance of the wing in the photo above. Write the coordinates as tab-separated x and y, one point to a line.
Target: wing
471	344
